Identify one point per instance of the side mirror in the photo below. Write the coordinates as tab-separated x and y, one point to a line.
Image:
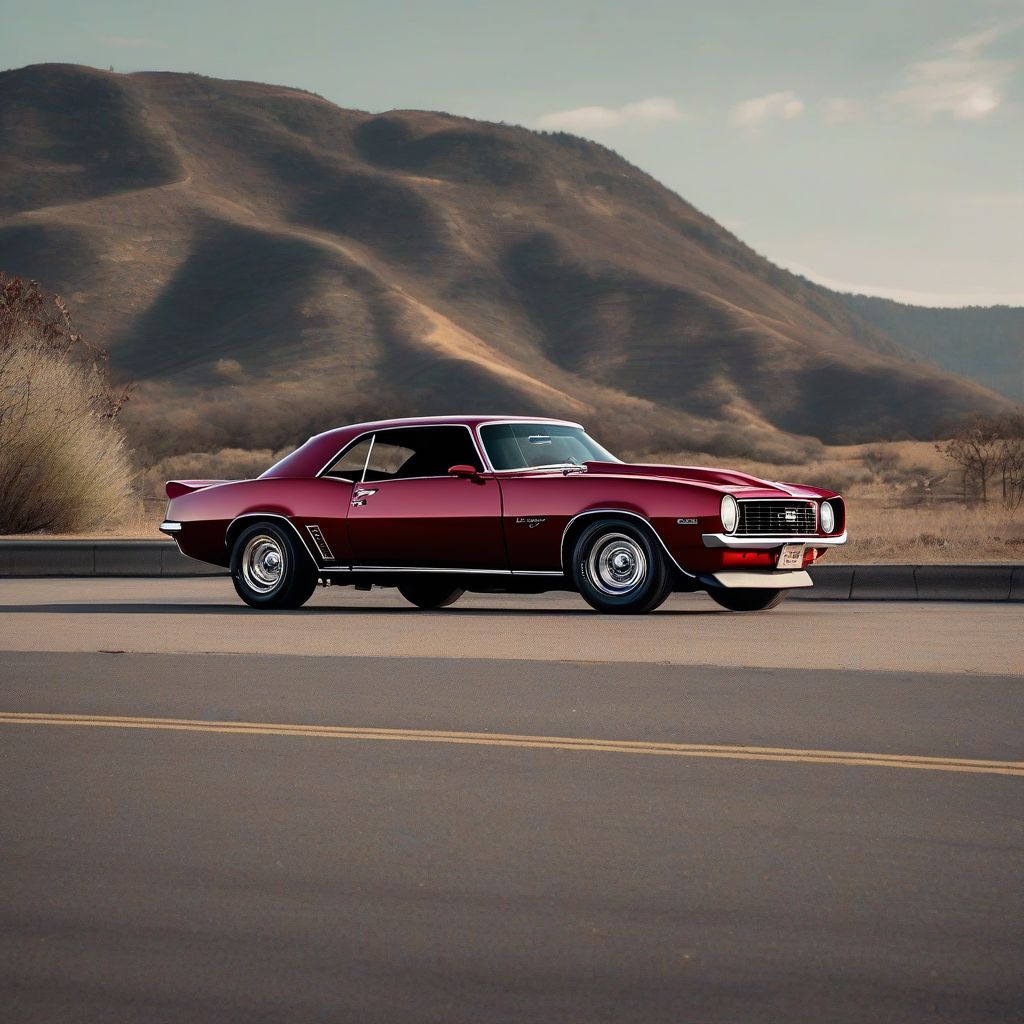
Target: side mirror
465	472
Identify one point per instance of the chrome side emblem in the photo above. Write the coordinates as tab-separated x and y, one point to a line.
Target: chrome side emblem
321	544
532	522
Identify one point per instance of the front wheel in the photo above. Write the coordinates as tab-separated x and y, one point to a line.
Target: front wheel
619	568
270	569
744	600
430	594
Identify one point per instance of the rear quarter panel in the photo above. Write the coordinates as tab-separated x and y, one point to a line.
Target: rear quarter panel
206	515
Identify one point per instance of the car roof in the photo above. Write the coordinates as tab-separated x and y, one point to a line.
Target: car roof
310	458
474	420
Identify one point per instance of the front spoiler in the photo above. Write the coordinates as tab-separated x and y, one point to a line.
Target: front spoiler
752	542
741	579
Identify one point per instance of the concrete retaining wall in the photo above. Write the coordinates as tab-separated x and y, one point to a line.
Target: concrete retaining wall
146	558
99	558
916	583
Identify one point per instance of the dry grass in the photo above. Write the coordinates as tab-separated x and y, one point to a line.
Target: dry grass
881	531
903	504
63	466
901	496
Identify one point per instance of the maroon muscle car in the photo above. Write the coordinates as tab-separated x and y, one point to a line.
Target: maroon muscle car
441	505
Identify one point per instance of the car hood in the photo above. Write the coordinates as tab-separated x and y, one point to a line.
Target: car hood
728	481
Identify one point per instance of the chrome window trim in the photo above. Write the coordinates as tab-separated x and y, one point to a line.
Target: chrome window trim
758	540
366	462
272	515
380	430
619	512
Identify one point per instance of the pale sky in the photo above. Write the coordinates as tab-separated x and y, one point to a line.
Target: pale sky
873	145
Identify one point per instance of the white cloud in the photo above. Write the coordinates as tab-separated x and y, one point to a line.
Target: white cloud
961	80
124	41
840	110
756	112
650	111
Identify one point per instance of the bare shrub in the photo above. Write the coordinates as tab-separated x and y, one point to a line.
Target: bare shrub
881	462
986	448
921	487
64	465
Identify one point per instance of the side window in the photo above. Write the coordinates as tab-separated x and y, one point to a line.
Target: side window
349	465
387	458
421	452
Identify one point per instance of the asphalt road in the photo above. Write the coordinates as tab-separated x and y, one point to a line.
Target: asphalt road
513	810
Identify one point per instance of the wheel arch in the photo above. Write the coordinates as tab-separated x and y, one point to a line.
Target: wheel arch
578	523
239	523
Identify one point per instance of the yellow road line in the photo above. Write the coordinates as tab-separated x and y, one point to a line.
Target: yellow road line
338	732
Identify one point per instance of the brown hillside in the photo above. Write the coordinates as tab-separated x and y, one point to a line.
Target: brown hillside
266	264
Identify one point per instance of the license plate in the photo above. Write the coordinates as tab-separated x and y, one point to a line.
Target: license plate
791	556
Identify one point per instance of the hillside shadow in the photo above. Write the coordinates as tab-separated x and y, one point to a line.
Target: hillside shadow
88	133
237	294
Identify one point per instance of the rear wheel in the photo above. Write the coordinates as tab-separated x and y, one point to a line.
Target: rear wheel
270	569
430	594
620	569
744	600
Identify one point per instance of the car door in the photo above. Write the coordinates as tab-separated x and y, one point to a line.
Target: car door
326	525
409	512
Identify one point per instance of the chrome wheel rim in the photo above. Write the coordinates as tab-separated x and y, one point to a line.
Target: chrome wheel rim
263	563
617	564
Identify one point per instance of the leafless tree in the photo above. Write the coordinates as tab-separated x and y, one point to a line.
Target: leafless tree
987	447
1011	462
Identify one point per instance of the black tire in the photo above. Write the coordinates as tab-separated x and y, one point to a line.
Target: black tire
430	594
270	568
619	568
744	600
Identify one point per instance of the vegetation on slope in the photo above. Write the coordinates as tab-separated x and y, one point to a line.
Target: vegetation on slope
265	264
984	343
64	466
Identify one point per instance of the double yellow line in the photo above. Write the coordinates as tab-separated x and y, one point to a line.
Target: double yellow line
489	739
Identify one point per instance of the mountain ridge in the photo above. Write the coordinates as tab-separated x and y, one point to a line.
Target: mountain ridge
985	343
264	263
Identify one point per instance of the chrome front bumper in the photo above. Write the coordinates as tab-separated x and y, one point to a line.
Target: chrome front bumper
756	542
738	579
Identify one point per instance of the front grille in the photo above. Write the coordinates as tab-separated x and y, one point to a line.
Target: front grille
778	518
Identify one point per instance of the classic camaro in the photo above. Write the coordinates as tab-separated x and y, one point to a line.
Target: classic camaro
441	505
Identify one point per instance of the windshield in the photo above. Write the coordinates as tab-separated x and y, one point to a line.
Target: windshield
533	445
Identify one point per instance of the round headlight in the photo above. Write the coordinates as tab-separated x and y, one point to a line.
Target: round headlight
730	513
828	517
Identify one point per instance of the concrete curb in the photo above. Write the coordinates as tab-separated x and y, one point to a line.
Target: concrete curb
152	558
145	558
992	582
